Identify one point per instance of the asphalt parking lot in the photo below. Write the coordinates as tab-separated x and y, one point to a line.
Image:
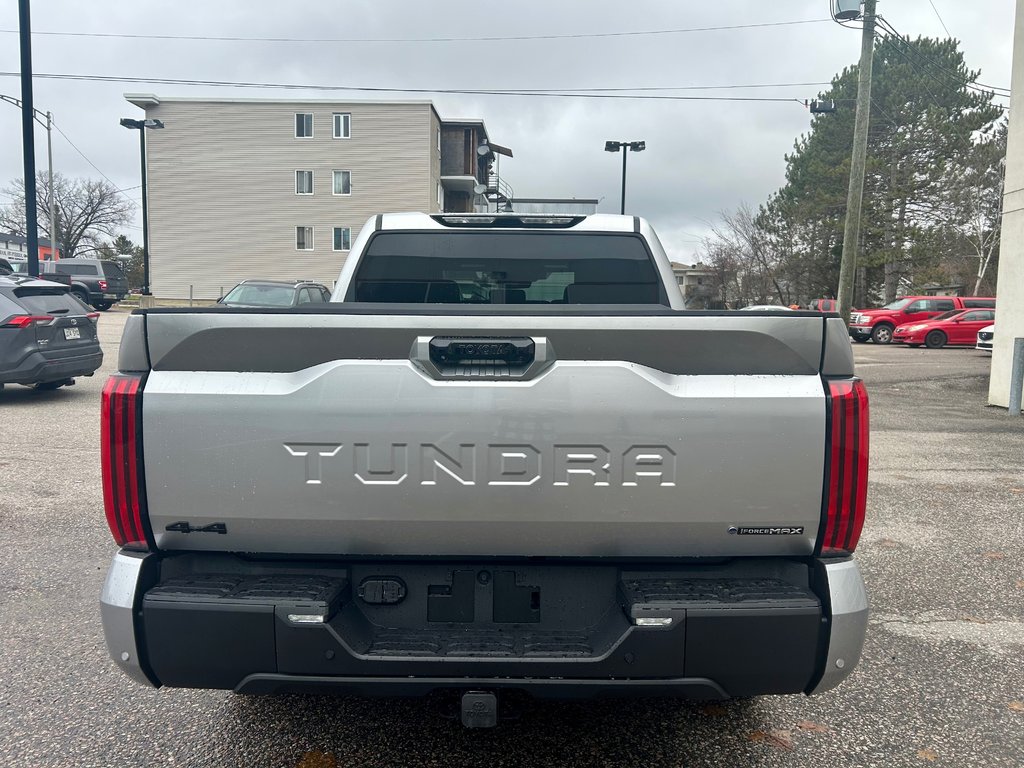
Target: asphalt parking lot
941	681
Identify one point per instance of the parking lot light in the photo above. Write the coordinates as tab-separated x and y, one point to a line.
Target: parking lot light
141	126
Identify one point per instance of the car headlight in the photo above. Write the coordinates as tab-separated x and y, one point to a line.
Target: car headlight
915	327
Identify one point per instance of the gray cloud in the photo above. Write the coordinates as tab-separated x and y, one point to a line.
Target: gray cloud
702	157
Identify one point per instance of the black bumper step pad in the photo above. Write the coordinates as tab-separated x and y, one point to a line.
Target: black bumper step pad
308	591
480	643
715	593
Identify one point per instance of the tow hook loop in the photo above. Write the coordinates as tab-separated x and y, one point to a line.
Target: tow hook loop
479	709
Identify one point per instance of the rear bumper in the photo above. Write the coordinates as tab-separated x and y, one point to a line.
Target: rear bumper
38	367
782	641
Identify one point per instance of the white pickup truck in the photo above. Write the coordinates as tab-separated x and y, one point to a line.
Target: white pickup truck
504	456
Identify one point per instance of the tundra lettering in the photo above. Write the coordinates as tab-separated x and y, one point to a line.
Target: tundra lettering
507	465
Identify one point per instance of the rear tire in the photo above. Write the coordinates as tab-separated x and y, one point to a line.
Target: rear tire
882	333
103	306
82	296
935	340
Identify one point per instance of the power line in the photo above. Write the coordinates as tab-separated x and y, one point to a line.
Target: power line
379	89
663	88
940	18
90	162
933	68
376	40
956	76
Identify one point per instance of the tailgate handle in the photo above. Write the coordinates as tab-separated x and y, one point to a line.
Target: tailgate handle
483	357
446	351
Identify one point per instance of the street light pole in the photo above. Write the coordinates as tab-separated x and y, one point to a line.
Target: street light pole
622	199
28	139
141	126
145	215
632	146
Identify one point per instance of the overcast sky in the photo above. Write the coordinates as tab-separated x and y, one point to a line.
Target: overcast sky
702	156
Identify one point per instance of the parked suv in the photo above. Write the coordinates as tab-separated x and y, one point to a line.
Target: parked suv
275	293
878	324
986	337
47	336
99	283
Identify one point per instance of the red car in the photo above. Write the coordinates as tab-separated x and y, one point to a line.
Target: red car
957	327
878	324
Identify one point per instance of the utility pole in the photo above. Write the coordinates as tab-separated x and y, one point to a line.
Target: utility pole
49	156
855	195
28	139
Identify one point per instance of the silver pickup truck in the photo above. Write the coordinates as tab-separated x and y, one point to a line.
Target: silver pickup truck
504	456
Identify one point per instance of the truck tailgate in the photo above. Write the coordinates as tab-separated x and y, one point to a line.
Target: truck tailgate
665	434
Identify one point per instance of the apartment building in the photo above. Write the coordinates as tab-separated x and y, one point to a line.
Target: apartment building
248	188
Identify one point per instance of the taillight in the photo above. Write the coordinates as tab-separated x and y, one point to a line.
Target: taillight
103	285
847	466
24	321
94	316
121	461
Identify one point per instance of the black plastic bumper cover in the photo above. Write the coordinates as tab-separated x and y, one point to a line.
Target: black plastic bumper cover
725	637
40	367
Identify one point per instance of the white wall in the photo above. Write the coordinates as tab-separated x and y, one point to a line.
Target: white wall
1010	286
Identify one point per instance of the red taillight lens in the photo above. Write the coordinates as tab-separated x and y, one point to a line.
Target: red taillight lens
94	316
24	321
103	285
847	464
121	460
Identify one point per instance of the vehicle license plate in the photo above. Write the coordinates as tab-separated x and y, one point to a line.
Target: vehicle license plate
72	333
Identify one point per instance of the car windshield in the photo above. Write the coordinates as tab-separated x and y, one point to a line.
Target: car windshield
257	295
898	304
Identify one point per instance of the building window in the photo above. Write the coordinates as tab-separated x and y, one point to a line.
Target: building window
343	182
342	125
438	139
303	182
440	196
342	239
303	238
303	125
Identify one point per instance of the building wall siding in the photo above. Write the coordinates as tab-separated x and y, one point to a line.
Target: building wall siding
435	162
222	202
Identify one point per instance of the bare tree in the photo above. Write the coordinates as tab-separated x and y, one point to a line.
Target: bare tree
741	248
86	209
977	199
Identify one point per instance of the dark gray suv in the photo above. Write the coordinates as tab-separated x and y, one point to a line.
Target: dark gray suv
47	336
98	282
